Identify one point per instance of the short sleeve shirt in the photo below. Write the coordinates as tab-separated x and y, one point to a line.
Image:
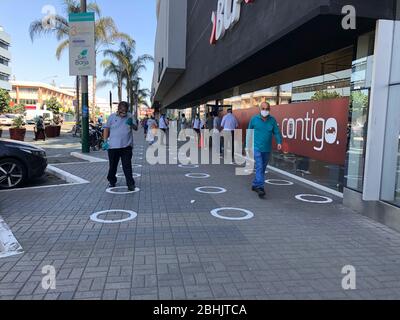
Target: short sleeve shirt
121	135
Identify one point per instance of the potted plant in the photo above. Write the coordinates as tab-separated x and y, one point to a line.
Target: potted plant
57	124
17	131
54	130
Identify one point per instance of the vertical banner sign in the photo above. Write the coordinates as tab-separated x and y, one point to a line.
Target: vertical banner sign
82	55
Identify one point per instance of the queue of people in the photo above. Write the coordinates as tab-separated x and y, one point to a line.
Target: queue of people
263	128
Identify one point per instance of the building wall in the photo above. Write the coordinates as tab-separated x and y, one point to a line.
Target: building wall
268	31
5	59
36	94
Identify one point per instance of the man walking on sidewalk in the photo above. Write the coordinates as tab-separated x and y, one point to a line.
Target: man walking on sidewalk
262	127
230	124
118	139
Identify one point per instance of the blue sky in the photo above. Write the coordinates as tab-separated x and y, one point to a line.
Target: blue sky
37	61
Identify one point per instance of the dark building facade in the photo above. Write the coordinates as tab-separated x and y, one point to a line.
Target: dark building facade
337	60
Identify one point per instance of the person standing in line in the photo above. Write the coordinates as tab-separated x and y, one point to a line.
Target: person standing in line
197	125
183	127
118	137
145	125
263	127
230	124
40	129
152	127
163	126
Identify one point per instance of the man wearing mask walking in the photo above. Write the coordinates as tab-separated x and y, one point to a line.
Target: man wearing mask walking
118	137
262	128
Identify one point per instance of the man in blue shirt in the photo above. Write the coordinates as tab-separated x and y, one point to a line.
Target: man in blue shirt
262	128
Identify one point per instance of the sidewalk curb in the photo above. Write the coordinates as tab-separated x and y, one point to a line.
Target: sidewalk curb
86	157
66	176
9	246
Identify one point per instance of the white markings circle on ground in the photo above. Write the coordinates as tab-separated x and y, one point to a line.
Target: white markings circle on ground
134	175
134	166
249	214
276	182
323	200
218	190
112	190
188	166
95	216
197	175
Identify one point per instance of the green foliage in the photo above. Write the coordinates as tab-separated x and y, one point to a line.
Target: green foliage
53	105
359	99
18	122
325	95
4	100
16	109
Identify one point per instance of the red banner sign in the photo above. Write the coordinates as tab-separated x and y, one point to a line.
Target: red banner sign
317	130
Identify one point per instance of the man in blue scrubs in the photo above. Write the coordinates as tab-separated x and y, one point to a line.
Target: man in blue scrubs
262	128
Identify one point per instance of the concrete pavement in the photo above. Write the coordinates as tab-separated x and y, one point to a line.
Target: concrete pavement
175	248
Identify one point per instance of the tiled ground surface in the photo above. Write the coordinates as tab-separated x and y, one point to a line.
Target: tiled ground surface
176	249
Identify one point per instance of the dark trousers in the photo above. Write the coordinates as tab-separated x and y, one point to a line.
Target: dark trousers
40	134
125	154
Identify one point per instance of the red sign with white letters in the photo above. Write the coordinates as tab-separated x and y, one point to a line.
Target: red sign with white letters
317	129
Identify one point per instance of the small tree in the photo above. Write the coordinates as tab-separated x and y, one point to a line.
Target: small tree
16	109
5	100
325	95
53	105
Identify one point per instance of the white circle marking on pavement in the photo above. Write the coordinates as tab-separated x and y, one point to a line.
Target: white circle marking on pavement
134	166
276	182
197	175
324	200
219	190
188	166
134	175
249	214
111	190
95	216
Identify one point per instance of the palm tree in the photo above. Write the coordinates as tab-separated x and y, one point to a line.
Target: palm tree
125	60
115	70
106	31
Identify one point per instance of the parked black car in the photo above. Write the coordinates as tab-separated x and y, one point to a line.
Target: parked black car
19	163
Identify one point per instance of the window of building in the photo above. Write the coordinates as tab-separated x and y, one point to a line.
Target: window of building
28	91
358	114
4	77
4	45
28	101
4	61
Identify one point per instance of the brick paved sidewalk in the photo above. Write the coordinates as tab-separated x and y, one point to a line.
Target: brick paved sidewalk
175	249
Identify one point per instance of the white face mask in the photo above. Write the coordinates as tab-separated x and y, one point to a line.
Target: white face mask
265	113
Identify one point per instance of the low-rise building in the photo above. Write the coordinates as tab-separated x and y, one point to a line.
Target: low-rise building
35	94
5	59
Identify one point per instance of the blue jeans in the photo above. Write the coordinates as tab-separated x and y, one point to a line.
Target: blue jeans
261	163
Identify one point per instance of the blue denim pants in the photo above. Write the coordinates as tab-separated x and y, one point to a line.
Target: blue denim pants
261	163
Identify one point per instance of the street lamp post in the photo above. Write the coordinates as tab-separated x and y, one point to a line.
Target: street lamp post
85	101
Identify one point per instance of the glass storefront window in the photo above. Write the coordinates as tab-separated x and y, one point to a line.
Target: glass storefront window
359	102
361	77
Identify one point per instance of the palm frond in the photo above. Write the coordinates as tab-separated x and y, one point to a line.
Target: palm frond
61	48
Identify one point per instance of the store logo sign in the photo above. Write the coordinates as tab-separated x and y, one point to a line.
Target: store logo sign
82	59
318	131
226	16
